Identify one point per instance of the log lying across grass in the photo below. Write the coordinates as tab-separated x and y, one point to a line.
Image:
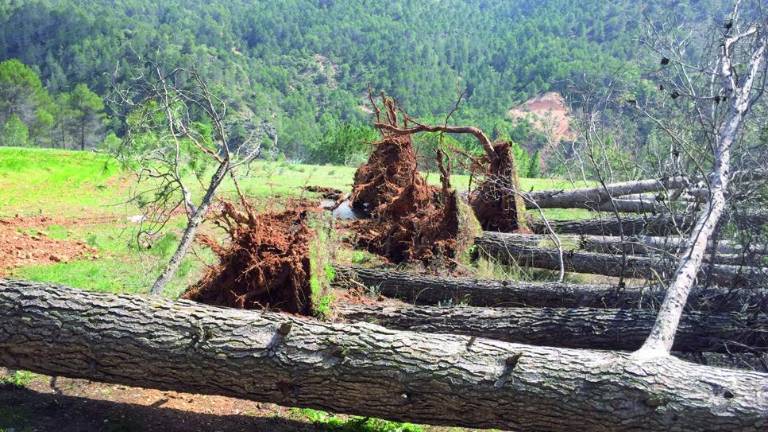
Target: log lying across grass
649	225
728	252
434	290
578	198
365	369
505	249
614	329
660	225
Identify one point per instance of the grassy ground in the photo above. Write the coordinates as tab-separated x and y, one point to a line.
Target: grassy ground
86	197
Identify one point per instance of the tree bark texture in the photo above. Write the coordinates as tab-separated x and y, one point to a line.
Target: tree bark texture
593	197
436	290
661	225
505	250
728	252
613	329
365	369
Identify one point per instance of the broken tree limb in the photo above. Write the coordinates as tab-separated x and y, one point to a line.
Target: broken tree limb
365	369
613	329
436	290
505	250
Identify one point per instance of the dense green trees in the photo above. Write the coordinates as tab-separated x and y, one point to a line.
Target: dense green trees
305	65
29	115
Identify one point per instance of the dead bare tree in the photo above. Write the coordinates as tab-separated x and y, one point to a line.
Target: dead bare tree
177	135
721	92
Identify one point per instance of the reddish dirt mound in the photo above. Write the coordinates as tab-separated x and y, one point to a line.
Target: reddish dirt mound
411	221
495	204
390	173
19	248
549	114
264	266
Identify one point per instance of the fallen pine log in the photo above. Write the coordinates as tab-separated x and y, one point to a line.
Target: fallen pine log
660	225
365	369
649	225
727	252
575	198
435	290
504	249
650	244
614	329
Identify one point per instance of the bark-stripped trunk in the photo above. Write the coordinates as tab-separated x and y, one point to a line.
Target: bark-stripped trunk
432	290
662	336
504	249
579	198
365	369
613	329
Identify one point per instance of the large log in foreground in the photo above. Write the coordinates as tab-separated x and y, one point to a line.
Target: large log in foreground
365	369
615	329
435	290
505	249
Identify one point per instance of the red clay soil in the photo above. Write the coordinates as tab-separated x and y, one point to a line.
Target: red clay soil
264	266
495	205
19	248
411	220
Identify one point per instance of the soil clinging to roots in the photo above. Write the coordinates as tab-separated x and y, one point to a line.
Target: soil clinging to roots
496	205
266	264
411	220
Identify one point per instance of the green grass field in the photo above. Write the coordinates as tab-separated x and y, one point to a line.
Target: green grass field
87	195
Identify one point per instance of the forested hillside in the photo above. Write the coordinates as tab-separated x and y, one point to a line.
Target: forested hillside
306	64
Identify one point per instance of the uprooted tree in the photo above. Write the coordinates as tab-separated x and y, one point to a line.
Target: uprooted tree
415	221
178	133
410	220
265	265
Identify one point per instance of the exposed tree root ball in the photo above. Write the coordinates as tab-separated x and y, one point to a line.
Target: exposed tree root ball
496	205
411	221
266	264
389	172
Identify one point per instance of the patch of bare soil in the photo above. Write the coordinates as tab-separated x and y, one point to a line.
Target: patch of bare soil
21	248
496	205
548	114
84	406
265	265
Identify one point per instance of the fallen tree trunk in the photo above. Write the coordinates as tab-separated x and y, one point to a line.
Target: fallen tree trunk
432	290
727	252
575	198
364	369
503	249
662	225
613	329
644	245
